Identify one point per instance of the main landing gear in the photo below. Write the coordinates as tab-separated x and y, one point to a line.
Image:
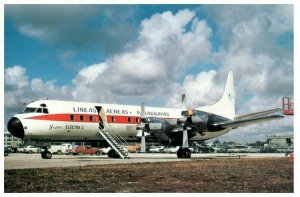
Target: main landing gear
45	154
184	153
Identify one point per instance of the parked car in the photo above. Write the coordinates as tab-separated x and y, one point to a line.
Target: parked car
29	149
253	149
134	148
84	150
6	151
60	149
156	149
12	149
105	150
172	149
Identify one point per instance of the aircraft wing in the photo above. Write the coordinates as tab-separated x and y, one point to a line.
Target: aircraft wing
247	121
257	114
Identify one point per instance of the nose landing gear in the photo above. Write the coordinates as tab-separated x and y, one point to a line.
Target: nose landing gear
45	154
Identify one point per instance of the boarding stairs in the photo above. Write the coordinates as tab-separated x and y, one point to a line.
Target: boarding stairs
114	139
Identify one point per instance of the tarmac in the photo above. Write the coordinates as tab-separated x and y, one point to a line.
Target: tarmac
26	161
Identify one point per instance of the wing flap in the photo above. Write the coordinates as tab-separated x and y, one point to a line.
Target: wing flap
247	121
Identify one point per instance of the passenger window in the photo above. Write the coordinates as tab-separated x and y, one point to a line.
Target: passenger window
81	117
39	110
72	117
113	119
91	118
129	119
137	120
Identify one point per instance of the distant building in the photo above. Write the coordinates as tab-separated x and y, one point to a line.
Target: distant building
281	143
10	140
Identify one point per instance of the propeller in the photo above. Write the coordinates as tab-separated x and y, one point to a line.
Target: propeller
144	124
142	128
156	126
188	116
187	121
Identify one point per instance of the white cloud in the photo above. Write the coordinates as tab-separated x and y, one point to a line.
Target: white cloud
167	45
138	65
200	90
15	76
157	29
19	90
33	32
88	75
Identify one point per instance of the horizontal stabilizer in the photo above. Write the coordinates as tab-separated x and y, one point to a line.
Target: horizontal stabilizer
257	114
247	121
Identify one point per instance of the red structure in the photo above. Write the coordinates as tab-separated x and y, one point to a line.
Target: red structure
291	156
288	105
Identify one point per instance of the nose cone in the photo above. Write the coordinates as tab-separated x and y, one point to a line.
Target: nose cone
15	127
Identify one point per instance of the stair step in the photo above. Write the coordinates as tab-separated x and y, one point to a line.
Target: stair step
114	143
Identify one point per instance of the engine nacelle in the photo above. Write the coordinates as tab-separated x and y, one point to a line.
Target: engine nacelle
155	126
196	120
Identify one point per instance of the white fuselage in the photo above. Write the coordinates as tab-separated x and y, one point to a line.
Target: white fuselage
51	120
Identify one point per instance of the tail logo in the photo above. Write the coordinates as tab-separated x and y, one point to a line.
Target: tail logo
230	96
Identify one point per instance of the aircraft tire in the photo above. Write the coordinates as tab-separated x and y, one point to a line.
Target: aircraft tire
184	153
113	154
46	155
179	153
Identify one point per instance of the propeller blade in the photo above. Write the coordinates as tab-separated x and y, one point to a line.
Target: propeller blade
143	116
144	119
183	103
142	133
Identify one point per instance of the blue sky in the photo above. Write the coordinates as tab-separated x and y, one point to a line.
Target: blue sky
33	53
151	53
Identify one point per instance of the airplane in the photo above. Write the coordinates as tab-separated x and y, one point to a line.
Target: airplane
54	120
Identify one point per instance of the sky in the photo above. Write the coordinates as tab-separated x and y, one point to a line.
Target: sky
129	54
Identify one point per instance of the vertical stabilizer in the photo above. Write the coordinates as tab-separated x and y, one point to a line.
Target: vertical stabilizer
226	105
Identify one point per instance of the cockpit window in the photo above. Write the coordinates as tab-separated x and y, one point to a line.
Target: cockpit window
45	111
35	110
29	110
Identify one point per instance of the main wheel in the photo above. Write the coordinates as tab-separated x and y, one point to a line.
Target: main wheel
184	153
113	154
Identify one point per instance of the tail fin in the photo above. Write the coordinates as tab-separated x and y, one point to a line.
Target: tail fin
226	105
